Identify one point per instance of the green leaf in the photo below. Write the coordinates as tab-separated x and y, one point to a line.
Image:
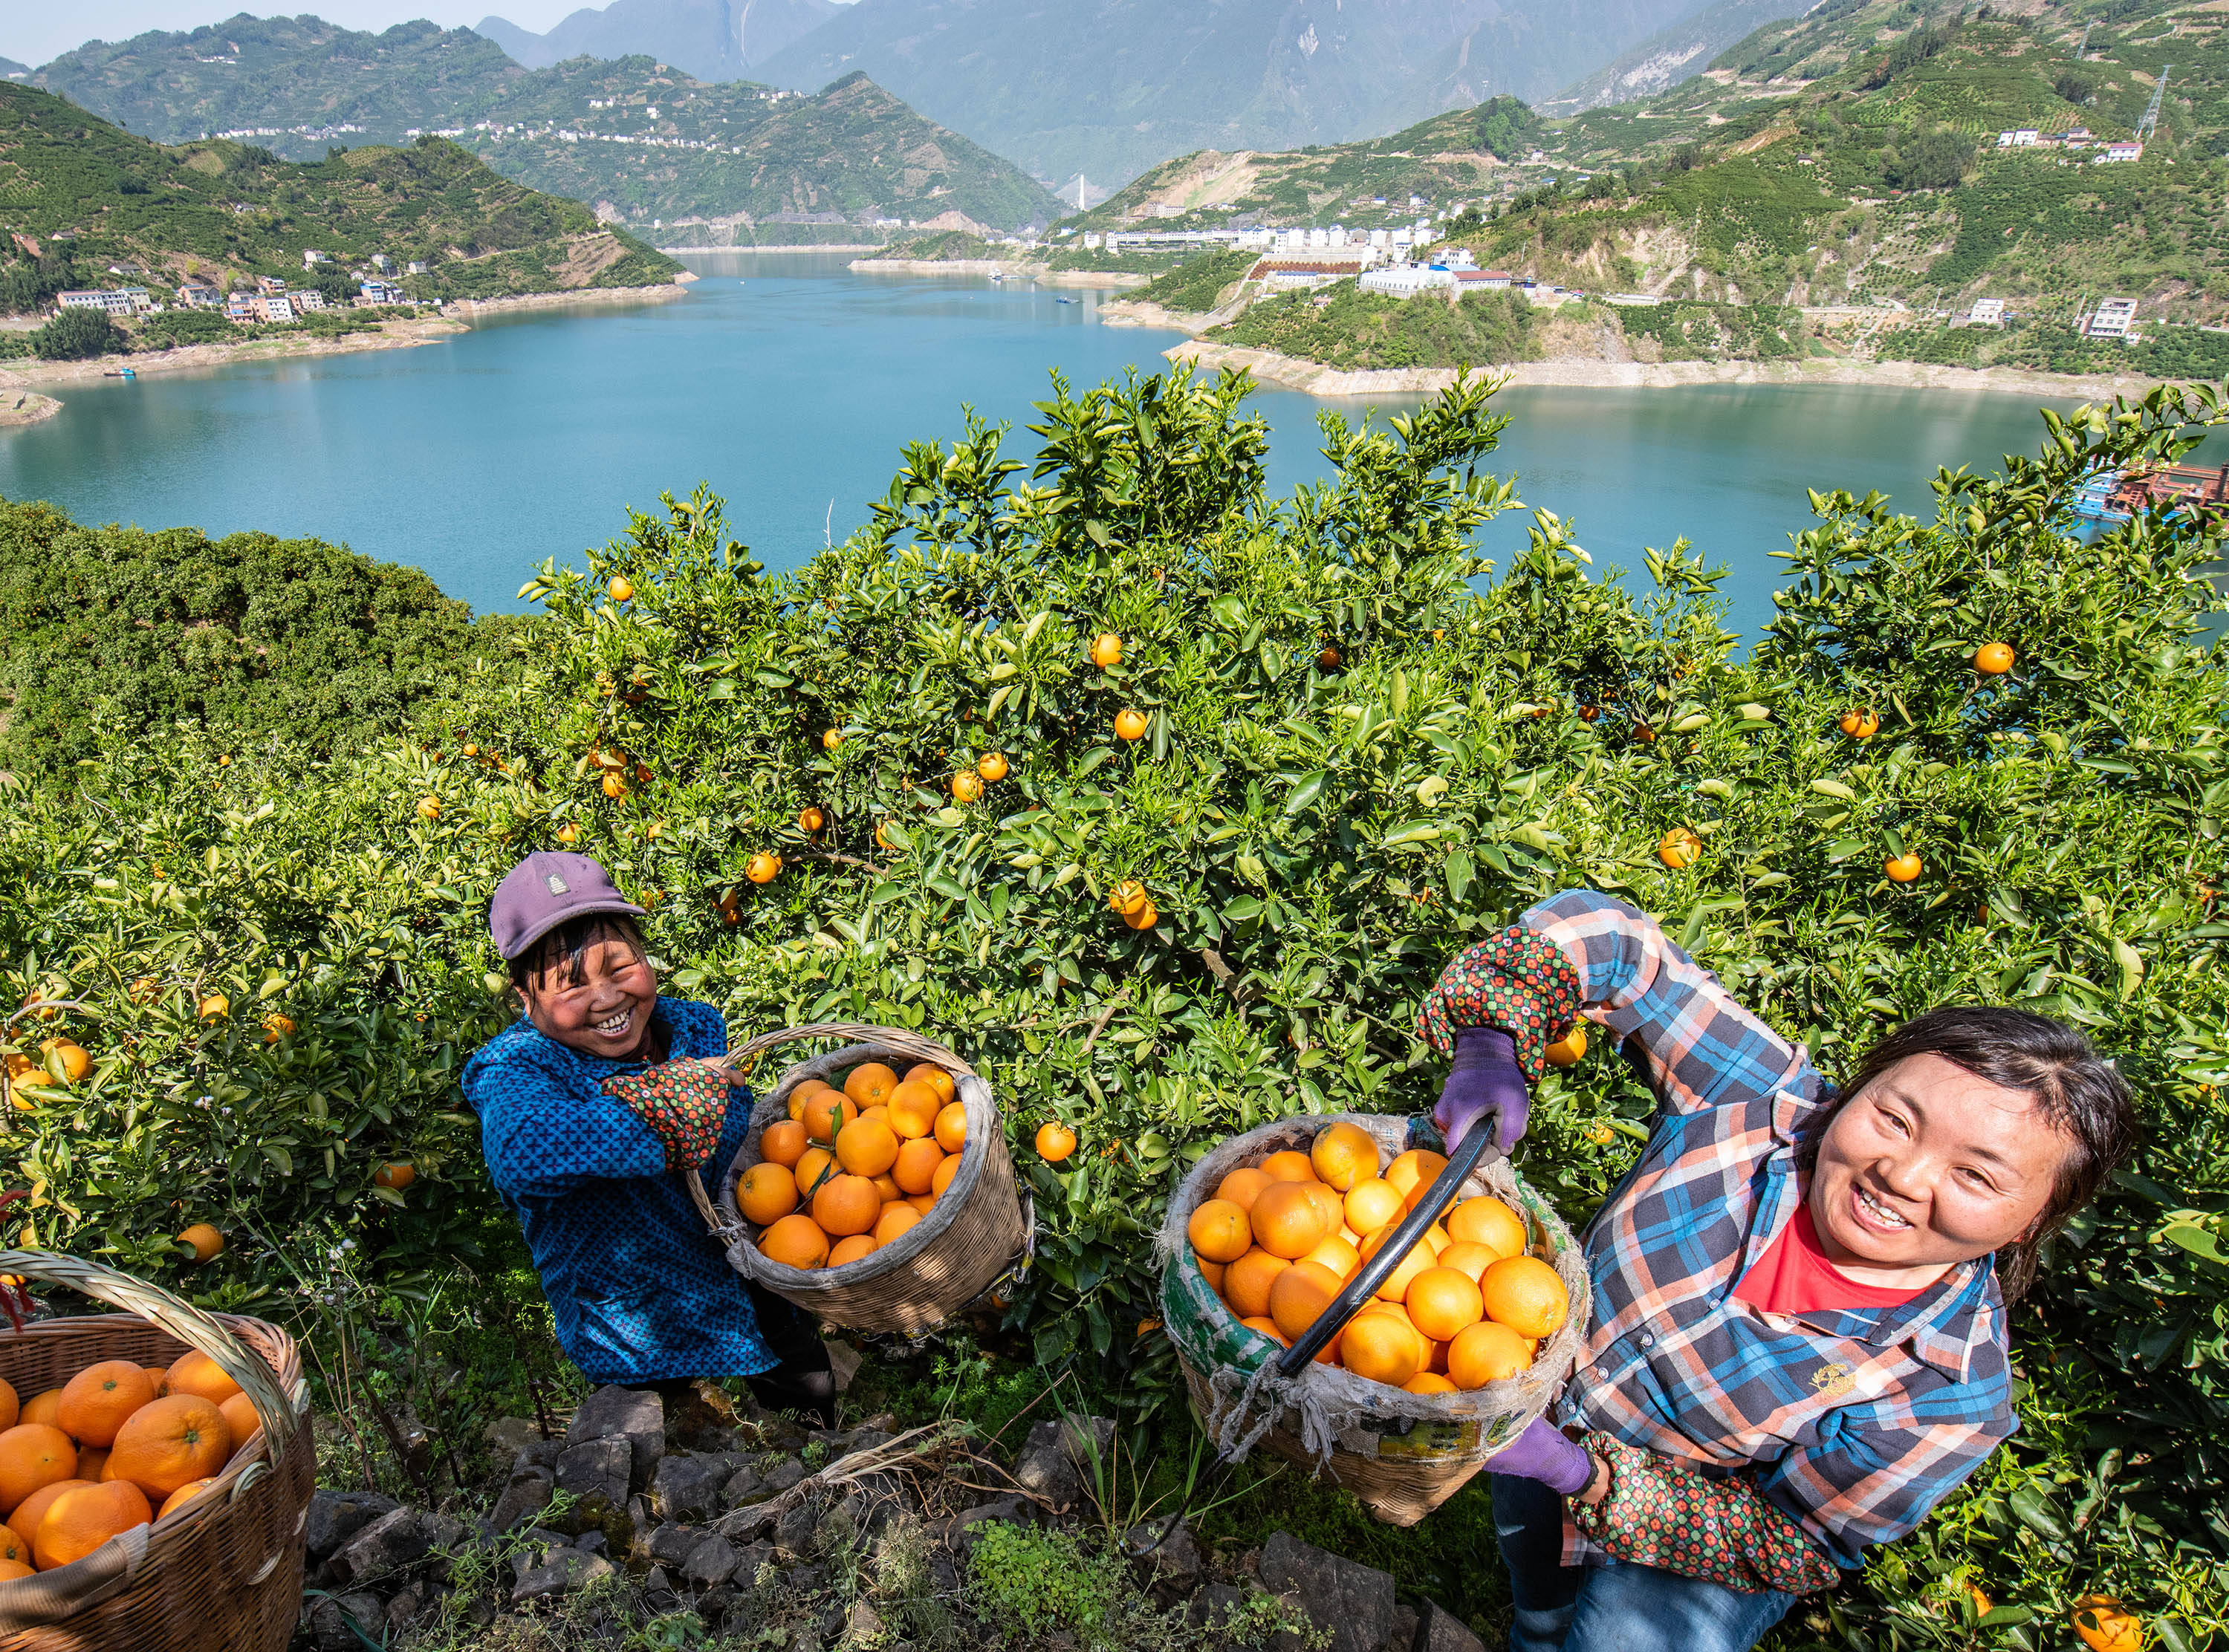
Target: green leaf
2034	1511
1304	791
1460	873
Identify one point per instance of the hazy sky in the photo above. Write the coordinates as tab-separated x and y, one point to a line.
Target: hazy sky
32	33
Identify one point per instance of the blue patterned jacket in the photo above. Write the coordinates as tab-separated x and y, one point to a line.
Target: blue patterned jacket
640	1291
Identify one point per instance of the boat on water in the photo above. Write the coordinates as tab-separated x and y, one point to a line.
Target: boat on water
120	373
1066	301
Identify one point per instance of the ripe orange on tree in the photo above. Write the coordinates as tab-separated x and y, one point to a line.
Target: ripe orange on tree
1860	722
2107	1626
1130	724
1105	650
398	1174
992	765
1055	1141
1901	869
1128	897
276	1026
622	588
1569	1050
810	819
214	1007
1678	848
1993	659
1144	918
95	1401
568	834
966	785
1327	658
205	1240
762	867
614	786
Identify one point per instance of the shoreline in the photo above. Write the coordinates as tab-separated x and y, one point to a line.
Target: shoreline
1037	273
786	246
27	407
1313	378
462	309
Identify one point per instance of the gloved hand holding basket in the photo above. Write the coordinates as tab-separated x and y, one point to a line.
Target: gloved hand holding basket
1368	1310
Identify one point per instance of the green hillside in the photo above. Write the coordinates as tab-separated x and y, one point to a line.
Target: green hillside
648	142
85	195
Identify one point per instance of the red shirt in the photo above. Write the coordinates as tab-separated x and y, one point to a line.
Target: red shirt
1795	1276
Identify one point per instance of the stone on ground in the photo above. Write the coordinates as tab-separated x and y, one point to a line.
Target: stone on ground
1438	1630
597	1468
1055	1461
635	1415
1353	1601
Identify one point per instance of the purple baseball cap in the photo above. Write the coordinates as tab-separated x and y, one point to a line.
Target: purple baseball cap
544	890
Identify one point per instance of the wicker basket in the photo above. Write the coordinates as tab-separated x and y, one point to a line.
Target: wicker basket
222	1573
972	1234
1402	1455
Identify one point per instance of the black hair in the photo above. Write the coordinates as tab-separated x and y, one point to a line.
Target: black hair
564	948
2079	1093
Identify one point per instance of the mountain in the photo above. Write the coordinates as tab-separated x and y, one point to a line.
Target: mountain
643	140
76	188
1113	88
11	70
1672	54
713	40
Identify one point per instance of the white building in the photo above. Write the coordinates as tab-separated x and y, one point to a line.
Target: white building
1986	312
2121	152
1406	280
311	258
196	295
114	301
2113	318
2024	138
307	300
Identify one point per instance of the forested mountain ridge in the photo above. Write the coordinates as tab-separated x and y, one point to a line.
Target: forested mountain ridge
713	40
647	142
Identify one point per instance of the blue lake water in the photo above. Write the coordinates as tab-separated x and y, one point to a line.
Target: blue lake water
789	383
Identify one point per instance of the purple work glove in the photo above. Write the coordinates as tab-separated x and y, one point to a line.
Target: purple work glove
1484	1083
1542	1453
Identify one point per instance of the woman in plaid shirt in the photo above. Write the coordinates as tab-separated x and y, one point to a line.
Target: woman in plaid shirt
1798	1344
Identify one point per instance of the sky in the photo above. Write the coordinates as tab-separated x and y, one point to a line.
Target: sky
35	33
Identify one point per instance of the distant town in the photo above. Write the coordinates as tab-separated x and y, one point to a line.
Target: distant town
269	301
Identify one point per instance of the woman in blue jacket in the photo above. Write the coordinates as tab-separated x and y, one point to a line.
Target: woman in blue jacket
591	1104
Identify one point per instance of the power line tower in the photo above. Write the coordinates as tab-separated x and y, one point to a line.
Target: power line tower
2149	124
2082	52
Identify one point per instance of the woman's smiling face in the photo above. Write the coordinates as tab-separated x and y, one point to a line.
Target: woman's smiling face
604	1008
1927	1167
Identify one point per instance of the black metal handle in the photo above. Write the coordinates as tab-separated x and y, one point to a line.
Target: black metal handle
1375	1271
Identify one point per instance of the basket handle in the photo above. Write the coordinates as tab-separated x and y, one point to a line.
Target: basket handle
895	1038
181	1319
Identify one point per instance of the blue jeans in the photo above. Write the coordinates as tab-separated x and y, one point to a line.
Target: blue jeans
1620	1607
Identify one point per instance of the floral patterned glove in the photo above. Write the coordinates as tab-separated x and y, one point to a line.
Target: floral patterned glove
685	1104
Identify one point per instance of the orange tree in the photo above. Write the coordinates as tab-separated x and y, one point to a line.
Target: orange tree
1351	756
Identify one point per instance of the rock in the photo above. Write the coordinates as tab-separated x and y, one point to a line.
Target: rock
749	1561
1354	1602
1018	1511
403	1612
687	1487
670	1544
1212	1604
396	1540
744	1486
1055	1461
843	1362
1403	1635
593	1543
337	1621
658	1590
711	1563
525	1495
1173	1562
565	1571
508	1436
785	1473
794	1528
636	1415
862	1624
1439	1630
337	1516
597	1468
944	1574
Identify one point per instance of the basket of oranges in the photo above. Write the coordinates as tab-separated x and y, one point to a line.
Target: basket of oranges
874	1188
154	1474
1465	1341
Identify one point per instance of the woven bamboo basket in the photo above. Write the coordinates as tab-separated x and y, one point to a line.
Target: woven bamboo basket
1402	1455
222	1572
974	1231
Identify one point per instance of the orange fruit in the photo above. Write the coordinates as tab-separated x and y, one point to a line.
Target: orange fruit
11	1570
2104	1623
1107	650
914	1108
826	1114
866	1147
1397	1283
239	1417
1288	1221
1486	1221
766	1192
886	1187
921	1202
1569	1050
1247	1281
1129	897
1378	1347
1290	1165
1485	1353
1371	1204
1219	1231
945	1172
184	1495
869	1083
1428	1382
1993	659
1129	725
915	1171
1243	1186
13	1548
1267	1327
797	1241
992	765
1335	1253
967	786
1901	869
805	1092
1442	1301
41	1408
895	1219
1414	1169
851	1248
814	1168
1328	1205
9	1407
201	1376
846	1205
1524	1294
1300	1294
935	1077
1678	848
160	1376
169	1441
881	1114
1470	1259
85	1517
95	1402
1211	1271
783	1143
92	1460
951	1126
1343	1156
1055	1141
33	1509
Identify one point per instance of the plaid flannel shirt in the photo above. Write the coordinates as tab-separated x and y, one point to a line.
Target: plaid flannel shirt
1853	1423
